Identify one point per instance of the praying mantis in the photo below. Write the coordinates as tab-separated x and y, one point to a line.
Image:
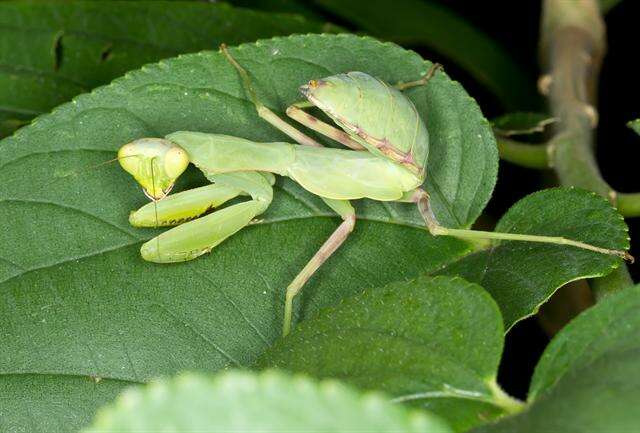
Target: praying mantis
385	159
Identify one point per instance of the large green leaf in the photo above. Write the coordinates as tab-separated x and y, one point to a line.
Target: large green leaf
249	402
522	275
587	380
433	342
425	23
48	403
77	300
68	48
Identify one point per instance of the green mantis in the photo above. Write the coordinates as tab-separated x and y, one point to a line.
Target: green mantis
385	159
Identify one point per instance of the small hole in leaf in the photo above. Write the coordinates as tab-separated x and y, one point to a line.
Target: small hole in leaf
106	53
57	51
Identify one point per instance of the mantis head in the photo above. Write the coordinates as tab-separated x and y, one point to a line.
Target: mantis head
155	163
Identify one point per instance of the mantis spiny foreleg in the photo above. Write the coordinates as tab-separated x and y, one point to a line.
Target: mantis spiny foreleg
198	236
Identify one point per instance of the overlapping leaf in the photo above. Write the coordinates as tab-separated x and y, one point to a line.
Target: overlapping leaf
270	401
635	125
431	342
521	123
587	381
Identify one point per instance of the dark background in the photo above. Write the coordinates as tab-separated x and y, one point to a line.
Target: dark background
515	24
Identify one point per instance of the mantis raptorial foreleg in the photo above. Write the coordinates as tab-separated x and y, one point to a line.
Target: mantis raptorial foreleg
177	208
199	236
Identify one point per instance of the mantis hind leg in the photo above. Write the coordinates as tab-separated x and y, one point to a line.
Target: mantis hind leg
199	236
421	81
346	211
421	198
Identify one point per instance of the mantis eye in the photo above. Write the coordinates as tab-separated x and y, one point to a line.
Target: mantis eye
175	162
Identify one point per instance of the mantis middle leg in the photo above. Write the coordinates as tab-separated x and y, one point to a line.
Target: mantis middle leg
296	113
263	111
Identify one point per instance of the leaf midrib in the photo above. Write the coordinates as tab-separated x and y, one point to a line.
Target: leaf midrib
142	239
65	376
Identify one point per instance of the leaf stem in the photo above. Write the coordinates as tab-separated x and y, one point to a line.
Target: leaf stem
497	397
534	156
572	48
510	404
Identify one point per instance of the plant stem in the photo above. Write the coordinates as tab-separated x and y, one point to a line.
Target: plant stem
572	47
510	404
523	154
629	204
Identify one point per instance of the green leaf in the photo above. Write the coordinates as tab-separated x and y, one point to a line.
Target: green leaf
521	123
587	380
249	402
77	300
9	126
69	48
433	342
415	22
607	5
521	276
51	403
635	125
287	6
